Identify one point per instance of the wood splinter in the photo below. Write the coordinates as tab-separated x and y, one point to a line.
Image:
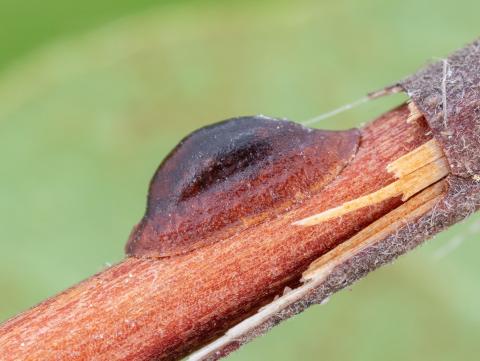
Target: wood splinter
415	171
407	212
415	114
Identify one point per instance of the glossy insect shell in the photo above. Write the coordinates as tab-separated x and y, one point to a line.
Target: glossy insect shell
234	174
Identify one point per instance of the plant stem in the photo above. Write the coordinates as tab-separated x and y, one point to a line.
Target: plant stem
144	309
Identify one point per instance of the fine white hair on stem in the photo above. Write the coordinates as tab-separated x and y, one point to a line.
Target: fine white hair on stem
334	112
371	96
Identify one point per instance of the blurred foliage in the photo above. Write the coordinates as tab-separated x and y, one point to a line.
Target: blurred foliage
93	94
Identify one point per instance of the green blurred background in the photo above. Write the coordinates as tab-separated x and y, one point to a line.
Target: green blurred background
93	94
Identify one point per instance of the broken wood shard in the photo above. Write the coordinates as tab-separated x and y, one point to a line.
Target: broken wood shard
404	214
416	170
415	113
417	158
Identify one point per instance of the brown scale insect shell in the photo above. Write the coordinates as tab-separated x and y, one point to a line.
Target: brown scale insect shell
231	175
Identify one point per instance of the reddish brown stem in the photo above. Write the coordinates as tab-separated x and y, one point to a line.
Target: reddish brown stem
145	309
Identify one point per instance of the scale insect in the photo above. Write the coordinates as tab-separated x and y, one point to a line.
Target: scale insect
234	174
